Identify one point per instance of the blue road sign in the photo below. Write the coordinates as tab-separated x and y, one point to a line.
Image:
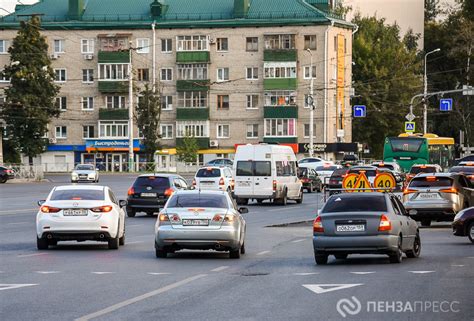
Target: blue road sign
446	104
359	111
409	127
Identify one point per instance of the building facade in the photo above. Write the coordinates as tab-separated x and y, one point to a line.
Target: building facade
229	72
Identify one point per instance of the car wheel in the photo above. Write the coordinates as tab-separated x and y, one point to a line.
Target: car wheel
242	201
470	230
3	180
310	189
425	223
131	213
300	199
53	242
415	252
41	244
114	243
234	254
242	248
397	256
161	253
321	259
341	256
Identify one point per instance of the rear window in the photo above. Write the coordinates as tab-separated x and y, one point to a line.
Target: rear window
425	169
253	168
326	168
78	195
368	172
406	144
355	203
462	169
209	172
384	166
431	182
339	172
198	200
153	181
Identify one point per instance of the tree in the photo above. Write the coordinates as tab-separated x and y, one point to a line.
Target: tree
147	116
188	148
29	104
431	10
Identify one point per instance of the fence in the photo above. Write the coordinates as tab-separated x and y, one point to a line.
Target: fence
30	172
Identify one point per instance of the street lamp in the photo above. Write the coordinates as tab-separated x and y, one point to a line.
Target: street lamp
311	99
425	105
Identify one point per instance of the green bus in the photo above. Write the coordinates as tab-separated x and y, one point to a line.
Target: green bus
408	150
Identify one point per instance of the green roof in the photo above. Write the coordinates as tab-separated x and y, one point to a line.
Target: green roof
128	14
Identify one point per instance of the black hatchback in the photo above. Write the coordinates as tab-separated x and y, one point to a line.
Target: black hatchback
150	192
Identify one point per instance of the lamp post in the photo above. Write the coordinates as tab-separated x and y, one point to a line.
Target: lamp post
425	105
130	112
311	112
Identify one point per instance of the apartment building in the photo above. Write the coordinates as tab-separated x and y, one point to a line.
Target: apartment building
230	72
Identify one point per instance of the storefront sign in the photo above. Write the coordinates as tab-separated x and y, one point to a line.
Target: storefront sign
112	145
328	148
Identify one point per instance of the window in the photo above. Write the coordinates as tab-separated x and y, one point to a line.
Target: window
307	101
166	74
280	98
88	131
166	131
252	101
60	75
113	43
143	74
191	43
87	46
252	131
335	43
87	75
252	73
61	132
196	99
310	42
280	127
307	72
222	74
143	45
113	102
193	128
280	70
166	45
3	46
306	130
273	42
58	45
222	44
192	71
4	78
223	131
252	44
285	168
113	71
87	103
222	101
253	168
166	102
61	103
113	129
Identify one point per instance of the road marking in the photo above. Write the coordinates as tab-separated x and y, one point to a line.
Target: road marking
297	241
100	273
306	273
9	212
30	255
18	223
140	298
220	268
362	273
470	257
458	265
47	272
158	273
13	286
263	252
133	225
421	272
324	288
134	242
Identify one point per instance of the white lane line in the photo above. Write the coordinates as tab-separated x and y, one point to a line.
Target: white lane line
18	223
263	252
306	273
458	265
324	288
13	286
134	242
139	298
470	257
363	273
297	241
47	272
421	272
34	254
158	273
133	225
220	268
100	273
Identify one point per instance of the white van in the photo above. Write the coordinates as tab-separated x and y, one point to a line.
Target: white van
266	172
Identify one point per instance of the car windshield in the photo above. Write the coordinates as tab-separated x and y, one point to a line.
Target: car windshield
85	167
462	169
355	203
326	168
208	172
431	181
78	195
198	200
153	181
368	172
339	172
302	172
424	169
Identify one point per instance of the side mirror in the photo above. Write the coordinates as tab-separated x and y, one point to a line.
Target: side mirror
123	203
41	202
97	168
243	210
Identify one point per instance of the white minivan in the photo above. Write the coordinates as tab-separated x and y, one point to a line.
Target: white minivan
266	172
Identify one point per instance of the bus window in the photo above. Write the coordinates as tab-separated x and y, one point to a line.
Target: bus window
412	145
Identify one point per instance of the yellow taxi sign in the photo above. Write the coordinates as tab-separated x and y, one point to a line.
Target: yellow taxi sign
384	181
349	181
362	183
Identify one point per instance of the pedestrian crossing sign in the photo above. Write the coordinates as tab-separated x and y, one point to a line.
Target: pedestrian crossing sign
409	126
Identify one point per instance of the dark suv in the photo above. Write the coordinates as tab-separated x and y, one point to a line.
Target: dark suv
150	192
6	174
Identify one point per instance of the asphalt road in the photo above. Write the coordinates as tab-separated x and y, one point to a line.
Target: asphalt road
276	280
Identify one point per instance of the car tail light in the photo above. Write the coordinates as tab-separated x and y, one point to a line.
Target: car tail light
451	190
431	178
232	184
407	191
174	218
169	192
471	177
131	191
218	218
229	218
8	171
102	209
274	185
49	209
385	224
163	218
221	181
318	225
194	182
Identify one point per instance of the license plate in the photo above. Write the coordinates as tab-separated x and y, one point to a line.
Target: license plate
148	194
207	183
428	196
244	183
350	228
75	212
195	222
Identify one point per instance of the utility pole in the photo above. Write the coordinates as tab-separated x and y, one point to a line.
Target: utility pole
130	111
425	102
311	103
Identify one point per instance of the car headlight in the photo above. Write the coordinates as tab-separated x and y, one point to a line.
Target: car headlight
74	174
91	175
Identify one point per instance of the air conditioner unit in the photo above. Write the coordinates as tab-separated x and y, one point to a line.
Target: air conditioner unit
53	141
211	40
213	143
54	56
89	57
99	155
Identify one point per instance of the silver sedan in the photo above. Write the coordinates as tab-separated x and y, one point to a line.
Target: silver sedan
207	220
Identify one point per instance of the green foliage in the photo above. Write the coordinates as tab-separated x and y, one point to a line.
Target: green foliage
147	116
431	10
187	150
385	77
29	104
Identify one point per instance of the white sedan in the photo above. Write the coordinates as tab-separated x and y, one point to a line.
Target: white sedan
313	162
85	173
80	213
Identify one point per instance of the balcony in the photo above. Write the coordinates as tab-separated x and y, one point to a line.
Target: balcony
280	84
280	112
113	114
192	113
113	57
188	57
193	85
280	55
203	142
113	86
280	140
